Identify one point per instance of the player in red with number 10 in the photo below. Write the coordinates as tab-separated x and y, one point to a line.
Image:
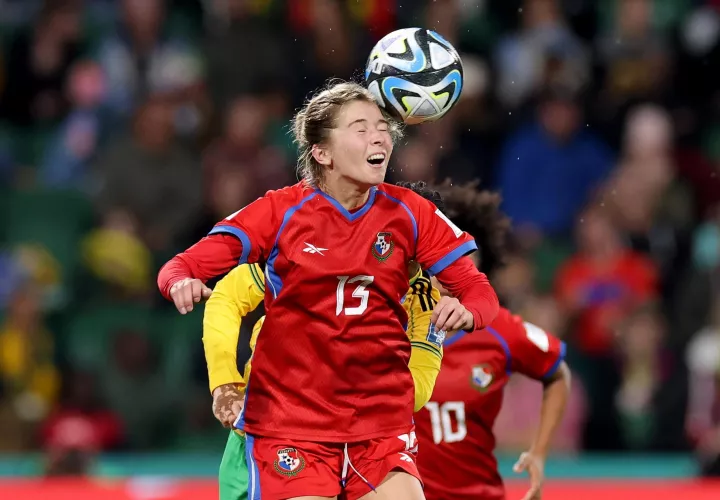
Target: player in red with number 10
454	429
329	404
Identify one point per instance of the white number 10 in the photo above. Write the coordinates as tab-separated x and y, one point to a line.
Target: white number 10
441	419
359	293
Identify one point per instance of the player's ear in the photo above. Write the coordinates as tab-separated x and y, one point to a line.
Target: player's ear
321	154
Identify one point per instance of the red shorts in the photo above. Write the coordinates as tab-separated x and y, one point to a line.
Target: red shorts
285	468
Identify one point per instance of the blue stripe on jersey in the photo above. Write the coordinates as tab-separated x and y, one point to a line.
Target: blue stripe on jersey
351	216
240	420
272	277
239	234
556	364
253	471
505	347
462	250
412	217
455	338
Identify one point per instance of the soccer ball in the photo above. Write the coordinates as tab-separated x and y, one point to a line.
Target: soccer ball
415	75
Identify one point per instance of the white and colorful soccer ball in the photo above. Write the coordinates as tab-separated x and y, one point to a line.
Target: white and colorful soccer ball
415	75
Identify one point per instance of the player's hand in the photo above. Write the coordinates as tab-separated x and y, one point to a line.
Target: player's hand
535	467
227	404
187	292
450	315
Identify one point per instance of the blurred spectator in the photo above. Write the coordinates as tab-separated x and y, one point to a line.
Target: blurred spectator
240	166
603	283
145	58
640	339
634	57
327	41
242	28
137	391
27	370
544	52
701	168
81	422
117	256
554	158
703	418
514	283
67	157
142	173
597	289
37	64
644	197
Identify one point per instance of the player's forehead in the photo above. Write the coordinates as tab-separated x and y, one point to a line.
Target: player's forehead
359	111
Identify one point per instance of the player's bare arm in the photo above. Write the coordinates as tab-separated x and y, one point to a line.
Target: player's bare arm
227	404
556	391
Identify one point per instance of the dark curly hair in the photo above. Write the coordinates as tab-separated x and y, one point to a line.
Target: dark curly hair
472	210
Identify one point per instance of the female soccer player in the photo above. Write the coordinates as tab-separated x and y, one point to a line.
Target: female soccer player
239	293
329	407
455	429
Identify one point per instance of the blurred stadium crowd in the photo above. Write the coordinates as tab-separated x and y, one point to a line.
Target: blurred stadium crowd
128	127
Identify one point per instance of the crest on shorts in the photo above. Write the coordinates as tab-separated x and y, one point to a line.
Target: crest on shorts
382	249
481	377
289	462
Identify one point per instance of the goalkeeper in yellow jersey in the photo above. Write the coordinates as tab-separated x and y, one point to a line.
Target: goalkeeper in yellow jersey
239	293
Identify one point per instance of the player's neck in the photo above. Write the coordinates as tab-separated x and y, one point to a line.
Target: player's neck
350	196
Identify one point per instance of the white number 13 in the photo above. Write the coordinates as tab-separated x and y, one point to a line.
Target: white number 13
359	293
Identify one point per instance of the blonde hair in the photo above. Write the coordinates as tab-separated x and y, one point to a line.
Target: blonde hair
313	123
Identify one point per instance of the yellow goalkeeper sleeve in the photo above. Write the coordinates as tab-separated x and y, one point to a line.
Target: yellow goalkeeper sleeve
234	296
426	352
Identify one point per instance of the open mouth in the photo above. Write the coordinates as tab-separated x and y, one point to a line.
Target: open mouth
376	159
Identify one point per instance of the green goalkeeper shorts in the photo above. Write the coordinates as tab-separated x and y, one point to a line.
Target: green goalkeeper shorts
233	476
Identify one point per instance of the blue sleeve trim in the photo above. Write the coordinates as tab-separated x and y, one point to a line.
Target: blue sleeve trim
561	357
239	234
461	251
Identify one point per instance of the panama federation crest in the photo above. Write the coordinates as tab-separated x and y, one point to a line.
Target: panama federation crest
289	462
382	249
481	377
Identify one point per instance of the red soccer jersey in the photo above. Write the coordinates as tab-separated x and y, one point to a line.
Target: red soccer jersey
454	429
331	362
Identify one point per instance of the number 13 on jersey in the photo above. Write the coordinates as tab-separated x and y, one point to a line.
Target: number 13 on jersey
360	293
